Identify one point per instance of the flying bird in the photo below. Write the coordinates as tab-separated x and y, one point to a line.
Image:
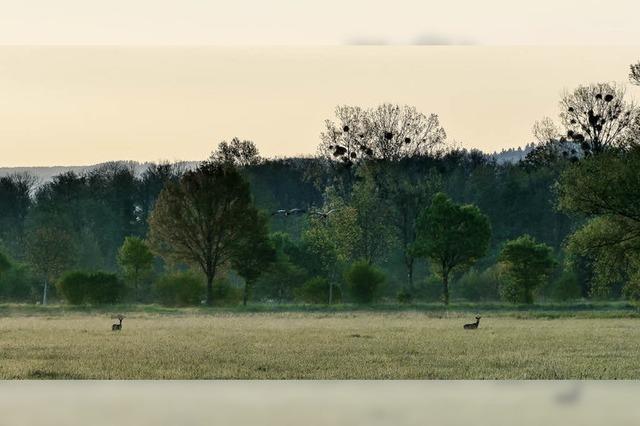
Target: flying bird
290	212
323	215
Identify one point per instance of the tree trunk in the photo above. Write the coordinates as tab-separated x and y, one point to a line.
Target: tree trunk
44	294
330	292
245	294
210	289
445	288
409	264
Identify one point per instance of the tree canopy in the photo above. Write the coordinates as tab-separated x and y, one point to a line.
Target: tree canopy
451	236
204	218
528	264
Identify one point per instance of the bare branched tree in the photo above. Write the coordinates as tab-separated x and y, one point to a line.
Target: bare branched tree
597	116
237	152
388	132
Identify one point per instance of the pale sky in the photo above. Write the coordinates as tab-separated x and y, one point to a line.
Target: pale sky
304	22
273	70
83	105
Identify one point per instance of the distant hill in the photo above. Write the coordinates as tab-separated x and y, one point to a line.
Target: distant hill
45	174
512	155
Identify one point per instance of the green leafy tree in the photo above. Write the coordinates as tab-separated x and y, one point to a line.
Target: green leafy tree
374	219
452	237
253	254
606	190
364	281
528	264
203	219
51	250
332	241
136	260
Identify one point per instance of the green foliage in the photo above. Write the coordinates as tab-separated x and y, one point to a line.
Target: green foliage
96	288
364	282
73	287
451	236
316	290
203	219
605	188
405	296
105	288
136	260
429	289
180	289
19	284
224	294
512	292
632	289
4	263
477	285
527	264
566	287
374	219
253	255
51	250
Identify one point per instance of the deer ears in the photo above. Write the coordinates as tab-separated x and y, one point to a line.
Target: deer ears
118	317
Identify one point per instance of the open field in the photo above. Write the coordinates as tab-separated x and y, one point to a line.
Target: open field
51	343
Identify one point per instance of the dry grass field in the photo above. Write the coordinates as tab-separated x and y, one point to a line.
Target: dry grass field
343	345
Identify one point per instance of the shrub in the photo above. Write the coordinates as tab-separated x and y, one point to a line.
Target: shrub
104	288
316	290
364	282
566	287
180	289
79	287
512	292
429	290
225	294
478	286
631	290
19	284
72	287
405	296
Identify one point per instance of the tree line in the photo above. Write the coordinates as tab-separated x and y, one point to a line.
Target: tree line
386	210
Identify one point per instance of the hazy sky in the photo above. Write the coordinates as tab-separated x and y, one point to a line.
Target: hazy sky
281	66
81	105
303	22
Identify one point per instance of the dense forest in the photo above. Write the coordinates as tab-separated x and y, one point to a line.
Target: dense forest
387	210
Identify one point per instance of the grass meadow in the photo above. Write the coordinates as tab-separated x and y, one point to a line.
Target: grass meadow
418	343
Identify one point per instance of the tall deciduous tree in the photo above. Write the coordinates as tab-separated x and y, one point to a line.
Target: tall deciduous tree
452	237
528	264
202	219
51	250
597	116
388	132
605	189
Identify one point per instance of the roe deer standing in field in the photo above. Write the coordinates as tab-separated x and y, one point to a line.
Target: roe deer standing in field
117	327
473	325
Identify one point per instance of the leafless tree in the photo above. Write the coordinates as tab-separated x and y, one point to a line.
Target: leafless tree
597	116
388	132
